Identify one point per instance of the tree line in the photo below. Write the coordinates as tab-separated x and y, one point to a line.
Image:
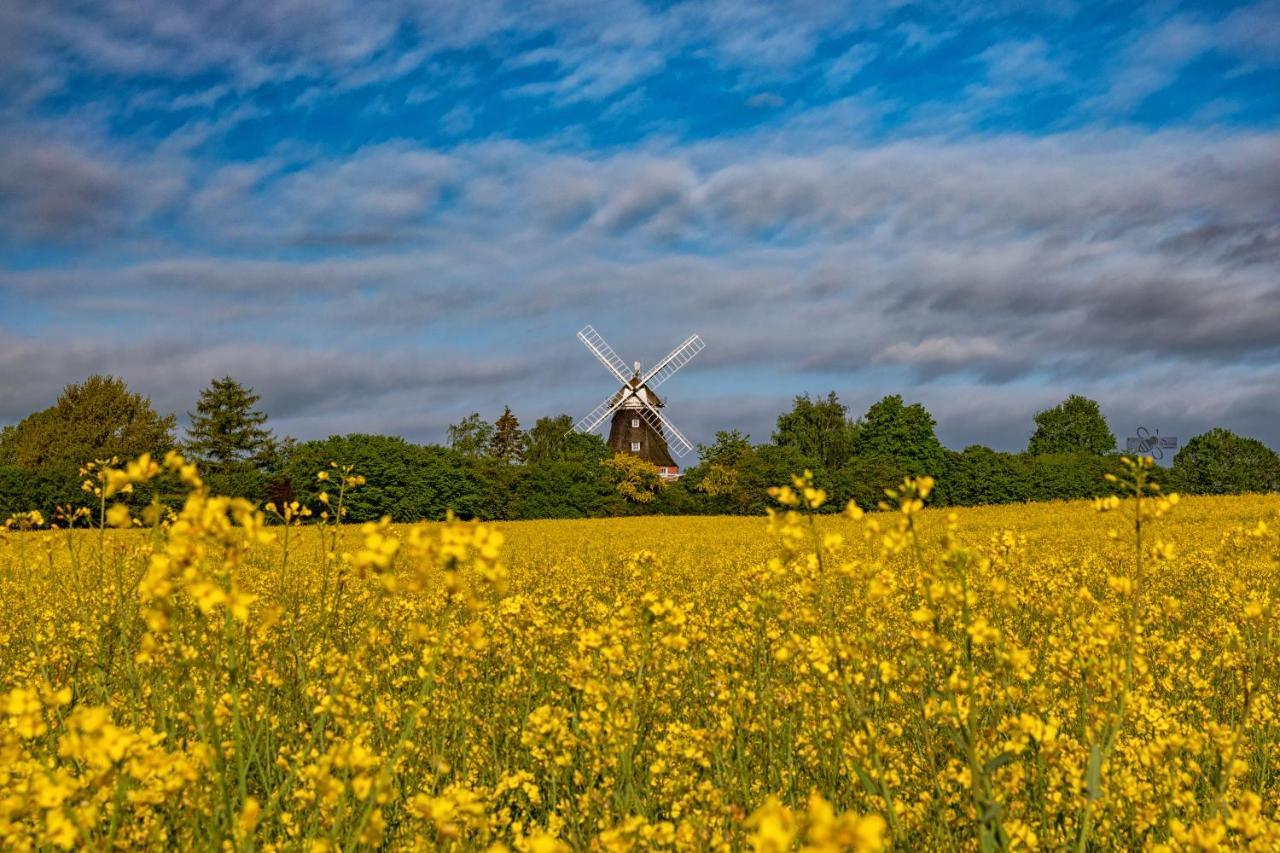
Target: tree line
500	470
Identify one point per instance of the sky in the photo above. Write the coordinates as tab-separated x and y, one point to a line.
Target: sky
385	215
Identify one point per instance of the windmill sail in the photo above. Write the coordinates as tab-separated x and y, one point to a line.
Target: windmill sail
675	439
676	359
638	427
600	348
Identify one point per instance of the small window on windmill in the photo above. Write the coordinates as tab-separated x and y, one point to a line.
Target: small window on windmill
635	447
635	422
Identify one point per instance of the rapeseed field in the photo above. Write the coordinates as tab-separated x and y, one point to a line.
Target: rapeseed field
1049	676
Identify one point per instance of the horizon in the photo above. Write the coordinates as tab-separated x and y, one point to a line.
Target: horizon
385	217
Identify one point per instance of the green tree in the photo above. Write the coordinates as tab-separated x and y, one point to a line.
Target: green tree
734	476
96	419
1219	462
980	475
471	436
1075	425
902	434
1070	476
508	440
24	489
226	434
409	482
548	439
561	489
862	480
716	475
819	429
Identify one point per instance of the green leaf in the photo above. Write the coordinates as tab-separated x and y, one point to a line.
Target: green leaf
999	761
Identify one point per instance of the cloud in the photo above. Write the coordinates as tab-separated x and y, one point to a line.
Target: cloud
1153	61
841	70
765	101
382	281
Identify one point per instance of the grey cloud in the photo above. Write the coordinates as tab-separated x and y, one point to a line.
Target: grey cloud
1060	262
296	383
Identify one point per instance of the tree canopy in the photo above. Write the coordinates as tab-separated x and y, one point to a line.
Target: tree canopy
820	429
226	433
1075	425
1220	462
903	434
508	440
96	419
471	436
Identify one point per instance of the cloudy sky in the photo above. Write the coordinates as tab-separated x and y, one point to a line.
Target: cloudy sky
385	215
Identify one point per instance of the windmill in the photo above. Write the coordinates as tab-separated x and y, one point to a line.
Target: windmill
638	427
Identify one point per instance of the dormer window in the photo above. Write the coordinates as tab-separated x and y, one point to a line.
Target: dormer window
635	447
635	423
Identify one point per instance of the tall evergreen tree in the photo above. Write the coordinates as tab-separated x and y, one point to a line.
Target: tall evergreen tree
1075	425
226	432
508	439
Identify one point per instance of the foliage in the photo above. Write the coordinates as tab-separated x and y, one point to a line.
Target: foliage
903	434
863	481
97	419
980	475
735	476
1069	476
407	482
472	436
1219	462
634	479
554	440
22	489
561	489
226	433
497	485
1043	676
1075	425
819	429
508	439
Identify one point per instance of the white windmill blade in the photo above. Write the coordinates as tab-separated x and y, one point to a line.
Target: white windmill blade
675	439
676	359
600	348
610	405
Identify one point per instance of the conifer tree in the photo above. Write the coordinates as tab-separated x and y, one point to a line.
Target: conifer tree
226	432
508	439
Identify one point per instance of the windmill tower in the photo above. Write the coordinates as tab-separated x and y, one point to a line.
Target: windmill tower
638	427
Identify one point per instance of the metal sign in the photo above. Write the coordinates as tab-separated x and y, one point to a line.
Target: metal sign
1151	444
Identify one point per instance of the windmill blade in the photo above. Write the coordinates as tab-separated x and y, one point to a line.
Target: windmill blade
676	359
675	439
610	405
600	348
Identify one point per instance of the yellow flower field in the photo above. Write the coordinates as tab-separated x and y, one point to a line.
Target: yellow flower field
1044	676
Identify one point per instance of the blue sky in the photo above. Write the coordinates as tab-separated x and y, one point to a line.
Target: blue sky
385	215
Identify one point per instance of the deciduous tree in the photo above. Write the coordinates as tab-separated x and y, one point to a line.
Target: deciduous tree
903	434
1075	425
471	436
96	419
1219	462
820	429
